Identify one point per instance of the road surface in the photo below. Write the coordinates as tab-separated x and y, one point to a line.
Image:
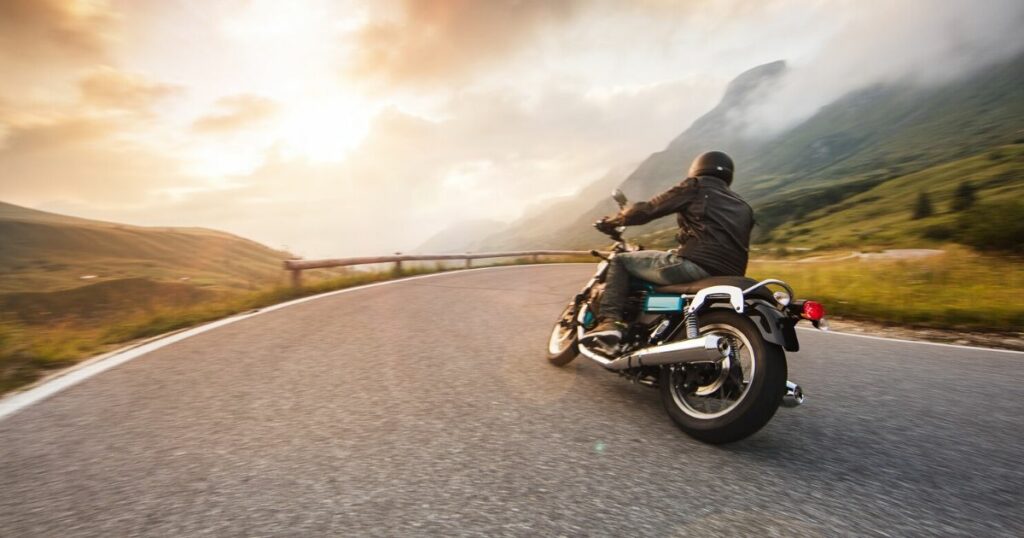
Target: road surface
425	407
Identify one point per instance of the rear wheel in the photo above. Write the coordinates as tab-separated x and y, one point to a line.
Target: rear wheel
728	400
562	344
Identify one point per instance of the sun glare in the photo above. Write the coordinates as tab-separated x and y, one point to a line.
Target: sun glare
325	130
285	54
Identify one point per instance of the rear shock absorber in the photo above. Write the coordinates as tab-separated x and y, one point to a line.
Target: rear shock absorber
691	322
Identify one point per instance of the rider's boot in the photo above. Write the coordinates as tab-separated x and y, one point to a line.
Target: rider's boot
607	334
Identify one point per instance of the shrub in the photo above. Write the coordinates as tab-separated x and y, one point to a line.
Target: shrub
938	232
997	156
923	208
963	197
994	226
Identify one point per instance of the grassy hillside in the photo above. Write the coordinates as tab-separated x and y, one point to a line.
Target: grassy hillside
959	289
883	215
99	303
42	251
71	286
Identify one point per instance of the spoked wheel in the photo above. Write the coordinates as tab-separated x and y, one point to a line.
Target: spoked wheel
562	344
727	400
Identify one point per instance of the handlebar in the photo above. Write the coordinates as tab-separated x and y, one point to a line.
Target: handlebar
620	244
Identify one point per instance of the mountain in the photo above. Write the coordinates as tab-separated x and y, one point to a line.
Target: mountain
851	145
460	237
534	229
572	229
41	252
886	131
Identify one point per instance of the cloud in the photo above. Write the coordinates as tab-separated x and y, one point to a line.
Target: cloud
110	88
493	155
917	42
40	137
435	40
81	159
54	30
236	112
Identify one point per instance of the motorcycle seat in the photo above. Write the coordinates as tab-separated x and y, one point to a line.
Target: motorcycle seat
741	282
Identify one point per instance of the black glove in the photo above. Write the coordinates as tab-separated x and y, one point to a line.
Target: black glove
606	225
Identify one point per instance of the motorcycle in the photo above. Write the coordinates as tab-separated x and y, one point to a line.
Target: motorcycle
714	348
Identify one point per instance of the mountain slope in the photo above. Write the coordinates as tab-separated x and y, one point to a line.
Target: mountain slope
883	215
460	237
668	167
537	227
42	251
852	145
891	130
656	173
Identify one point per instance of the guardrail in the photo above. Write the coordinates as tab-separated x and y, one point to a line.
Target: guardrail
297	266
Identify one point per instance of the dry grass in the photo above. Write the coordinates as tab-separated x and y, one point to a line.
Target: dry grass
959	289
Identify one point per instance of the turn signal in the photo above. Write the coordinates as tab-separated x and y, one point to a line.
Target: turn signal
813	310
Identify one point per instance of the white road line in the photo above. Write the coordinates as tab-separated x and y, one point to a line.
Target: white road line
925	342
17	401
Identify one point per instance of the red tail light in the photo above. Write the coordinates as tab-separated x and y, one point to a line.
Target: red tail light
813	310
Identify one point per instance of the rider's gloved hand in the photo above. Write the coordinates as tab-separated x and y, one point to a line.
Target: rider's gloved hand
606	225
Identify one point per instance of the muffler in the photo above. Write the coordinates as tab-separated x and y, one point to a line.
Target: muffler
702	349
794	395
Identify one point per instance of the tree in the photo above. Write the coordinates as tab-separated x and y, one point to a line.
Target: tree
963	197
924	206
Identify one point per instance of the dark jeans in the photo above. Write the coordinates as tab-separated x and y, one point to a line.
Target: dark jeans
662	268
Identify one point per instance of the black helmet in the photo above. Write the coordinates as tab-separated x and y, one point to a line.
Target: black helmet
712	163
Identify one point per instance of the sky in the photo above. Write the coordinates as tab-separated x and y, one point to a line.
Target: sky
334	128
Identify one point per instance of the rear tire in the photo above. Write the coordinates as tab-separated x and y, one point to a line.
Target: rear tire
753	408
562	345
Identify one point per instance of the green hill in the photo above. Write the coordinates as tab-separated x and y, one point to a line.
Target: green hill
42	251
884	214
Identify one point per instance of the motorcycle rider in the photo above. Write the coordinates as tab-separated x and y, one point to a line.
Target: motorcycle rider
714	237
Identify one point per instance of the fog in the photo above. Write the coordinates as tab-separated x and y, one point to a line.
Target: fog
918	42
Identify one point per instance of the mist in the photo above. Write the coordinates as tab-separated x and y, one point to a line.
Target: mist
911	42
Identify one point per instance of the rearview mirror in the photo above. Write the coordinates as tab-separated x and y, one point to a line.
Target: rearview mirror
619	198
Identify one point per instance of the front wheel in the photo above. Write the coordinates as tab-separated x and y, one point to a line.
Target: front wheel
725	401
562	344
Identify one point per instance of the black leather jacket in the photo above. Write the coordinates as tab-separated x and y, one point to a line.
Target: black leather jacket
714	223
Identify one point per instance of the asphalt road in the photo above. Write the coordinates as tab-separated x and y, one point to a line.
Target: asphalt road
426	407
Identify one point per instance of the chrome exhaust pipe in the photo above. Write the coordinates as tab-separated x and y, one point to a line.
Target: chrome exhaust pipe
701	349
794	395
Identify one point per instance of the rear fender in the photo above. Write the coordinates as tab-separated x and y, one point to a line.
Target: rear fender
775	327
